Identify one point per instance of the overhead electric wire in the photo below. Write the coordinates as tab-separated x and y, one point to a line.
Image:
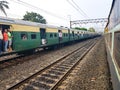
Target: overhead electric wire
75	6
37	8
80	9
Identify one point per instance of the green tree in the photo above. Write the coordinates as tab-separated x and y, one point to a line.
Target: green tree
3	5
34	17
91	29
78	28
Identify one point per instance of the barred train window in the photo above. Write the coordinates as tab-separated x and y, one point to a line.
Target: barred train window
51	35
64	34
116	46
55	35
24	36
33	36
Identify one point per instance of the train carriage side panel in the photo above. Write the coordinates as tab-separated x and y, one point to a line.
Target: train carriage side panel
75	35
65	37
113	43
25	37
51	36
72	35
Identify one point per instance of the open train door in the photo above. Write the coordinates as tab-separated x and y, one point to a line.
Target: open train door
43	36
60	35
2	28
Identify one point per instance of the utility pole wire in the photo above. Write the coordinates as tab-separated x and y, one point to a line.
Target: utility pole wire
76	8
37	8
80	9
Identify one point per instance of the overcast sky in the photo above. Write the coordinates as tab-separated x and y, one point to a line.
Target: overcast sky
59	12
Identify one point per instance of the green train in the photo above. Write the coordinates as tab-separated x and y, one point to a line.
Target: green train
30	35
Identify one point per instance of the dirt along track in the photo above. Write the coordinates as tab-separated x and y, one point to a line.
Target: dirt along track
92	72
50	77
20	71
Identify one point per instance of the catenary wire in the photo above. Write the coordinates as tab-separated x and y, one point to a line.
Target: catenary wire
80	9
37	8
76	8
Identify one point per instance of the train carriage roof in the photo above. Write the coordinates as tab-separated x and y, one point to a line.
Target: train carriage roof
9	21
23	22
113	3
78	30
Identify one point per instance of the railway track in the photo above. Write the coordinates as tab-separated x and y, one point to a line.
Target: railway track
14	58
10	60
51	76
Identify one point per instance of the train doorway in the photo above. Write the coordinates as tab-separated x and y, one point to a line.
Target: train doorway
6	46
43	36
3	27
60	35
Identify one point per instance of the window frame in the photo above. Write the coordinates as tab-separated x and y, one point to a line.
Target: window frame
22	34
51	35
34	37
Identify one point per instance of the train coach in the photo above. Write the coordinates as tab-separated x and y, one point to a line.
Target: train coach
30	35
112	38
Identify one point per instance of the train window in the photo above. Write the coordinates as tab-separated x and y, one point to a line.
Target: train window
64	34
78	33
116	46
73	33
55	35
24	36
33	36
42	33
51	35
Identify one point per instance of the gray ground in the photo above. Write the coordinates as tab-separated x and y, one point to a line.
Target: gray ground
13	74
92	72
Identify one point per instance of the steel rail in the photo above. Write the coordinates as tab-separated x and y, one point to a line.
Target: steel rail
41	71
68	72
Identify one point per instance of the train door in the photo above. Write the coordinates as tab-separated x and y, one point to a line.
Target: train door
43	36
73	35
2	28
60	36
78	35
69	33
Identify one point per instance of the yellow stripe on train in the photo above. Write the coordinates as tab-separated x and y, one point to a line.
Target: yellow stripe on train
16	27
26	28
55	30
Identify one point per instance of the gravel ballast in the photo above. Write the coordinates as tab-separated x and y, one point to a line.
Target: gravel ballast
13	74
92	72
